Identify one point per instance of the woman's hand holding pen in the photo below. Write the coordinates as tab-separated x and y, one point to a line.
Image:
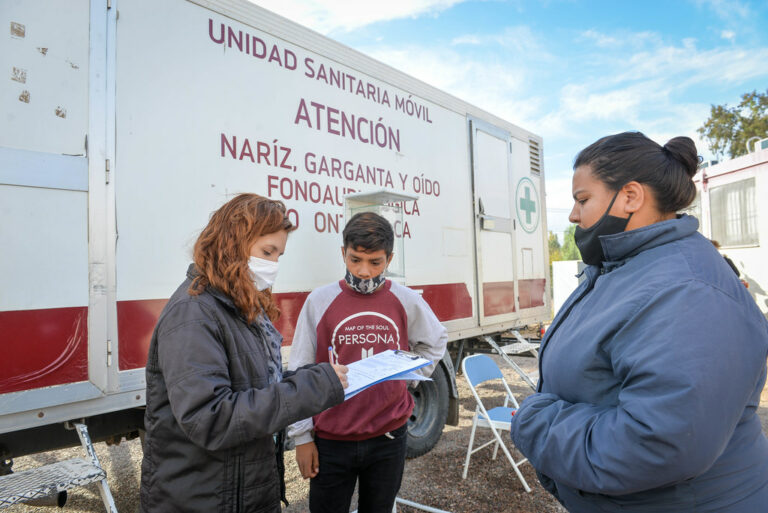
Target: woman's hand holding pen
341	370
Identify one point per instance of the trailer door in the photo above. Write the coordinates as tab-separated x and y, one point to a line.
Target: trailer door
530	227
494	228
53	321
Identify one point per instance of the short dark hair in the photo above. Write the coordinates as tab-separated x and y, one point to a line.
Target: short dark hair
668	170
369	231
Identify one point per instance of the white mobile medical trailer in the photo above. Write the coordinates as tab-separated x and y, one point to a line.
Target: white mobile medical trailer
126	123
730	211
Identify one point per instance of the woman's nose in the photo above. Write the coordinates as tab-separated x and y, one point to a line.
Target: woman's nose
573	217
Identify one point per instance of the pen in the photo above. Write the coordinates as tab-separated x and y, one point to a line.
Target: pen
406	354
330	355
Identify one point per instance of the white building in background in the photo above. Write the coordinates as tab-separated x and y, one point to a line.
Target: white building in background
565	279
732	207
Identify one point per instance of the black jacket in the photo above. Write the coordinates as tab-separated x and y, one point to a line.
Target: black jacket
211	413
733	266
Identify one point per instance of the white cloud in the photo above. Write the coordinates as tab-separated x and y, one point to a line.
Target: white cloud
519	40
326	16
677	120
619	39
583	106
490	84
727	9
559	203
581	103
683	67
466	40
728	35
635	90
601	40
645	90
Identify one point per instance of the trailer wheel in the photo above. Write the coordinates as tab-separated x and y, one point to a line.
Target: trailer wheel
430	412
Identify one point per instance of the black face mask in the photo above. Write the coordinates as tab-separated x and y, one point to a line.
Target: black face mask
587	238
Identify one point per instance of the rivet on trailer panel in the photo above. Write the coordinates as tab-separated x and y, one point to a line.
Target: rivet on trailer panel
19	75
17	30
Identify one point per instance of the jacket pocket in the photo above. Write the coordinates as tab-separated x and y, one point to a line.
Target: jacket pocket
261	490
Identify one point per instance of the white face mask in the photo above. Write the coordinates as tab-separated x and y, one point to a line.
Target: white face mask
263	272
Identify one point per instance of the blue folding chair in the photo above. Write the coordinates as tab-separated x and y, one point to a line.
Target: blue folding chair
478	369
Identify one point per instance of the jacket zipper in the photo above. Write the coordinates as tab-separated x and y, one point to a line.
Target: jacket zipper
239	484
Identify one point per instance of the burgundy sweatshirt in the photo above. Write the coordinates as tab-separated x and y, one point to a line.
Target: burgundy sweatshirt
356	326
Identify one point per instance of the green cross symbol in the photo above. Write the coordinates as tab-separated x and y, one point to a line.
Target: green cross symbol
528	205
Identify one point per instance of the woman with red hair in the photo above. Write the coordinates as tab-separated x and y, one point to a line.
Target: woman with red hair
217	397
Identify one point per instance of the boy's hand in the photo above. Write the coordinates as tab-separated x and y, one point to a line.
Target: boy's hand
341	372
306	457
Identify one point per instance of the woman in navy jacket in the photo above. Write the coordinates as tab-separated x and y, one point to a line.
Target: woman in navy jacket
651	373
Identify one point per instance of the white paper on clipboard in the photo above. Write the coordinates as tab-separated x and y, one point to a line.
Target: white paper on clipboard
384	366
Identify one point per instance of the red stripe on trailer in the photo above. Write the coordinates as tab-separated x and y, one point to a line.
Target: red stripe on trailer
49	347
290	304
135	322
498	298
531	293
137	319
449	301
43	348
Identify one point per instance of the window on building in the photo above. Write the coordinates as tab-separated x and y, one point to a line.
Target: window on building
734	213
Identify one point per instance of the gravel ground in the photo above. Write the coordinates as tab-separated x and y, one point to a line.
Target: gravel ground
433	479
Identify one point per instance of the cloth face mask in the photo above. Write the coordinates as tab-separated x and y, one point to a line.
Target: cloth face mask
263	272
588	239
364	286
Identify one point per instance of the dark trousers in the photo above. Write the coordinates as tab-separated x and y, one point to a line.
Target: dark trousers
378	464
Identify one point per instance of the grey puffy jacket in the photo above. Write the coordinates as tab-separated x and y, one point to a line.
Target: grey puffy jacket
211	413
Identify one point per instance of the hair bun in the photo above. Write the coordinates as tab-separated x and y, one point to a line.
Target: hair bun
684	151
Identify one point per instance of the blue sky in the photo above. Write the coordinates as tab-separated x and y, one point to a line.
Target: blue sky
571	71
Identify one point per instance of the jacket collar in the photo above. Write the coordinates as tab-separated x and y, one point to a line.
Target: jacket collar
192	273
620	246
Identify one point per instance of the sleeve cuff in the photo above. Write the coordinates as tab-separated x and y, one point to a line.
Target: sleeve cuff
303	438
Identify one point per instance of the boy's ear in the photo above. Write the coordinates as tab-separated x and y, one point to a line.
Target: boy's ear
343	253
389	259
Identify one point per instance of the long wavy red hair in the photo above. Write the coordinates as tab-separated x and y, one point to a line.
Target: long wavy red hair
222	251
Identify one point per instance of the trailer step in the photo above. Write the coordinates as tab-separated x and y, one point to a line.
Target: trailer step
530	379
520	348
42	482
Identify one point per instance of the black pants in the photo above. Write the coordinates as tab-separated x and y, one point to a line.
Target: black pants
378	464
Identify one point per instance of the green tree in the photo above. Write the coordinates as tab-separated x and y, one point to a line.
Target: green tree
729	128
569	249
555	255
554	248
566	251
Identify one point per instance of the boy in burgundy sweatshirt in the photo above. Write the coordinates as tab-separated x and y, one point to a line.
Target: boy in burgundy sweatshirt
363	314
